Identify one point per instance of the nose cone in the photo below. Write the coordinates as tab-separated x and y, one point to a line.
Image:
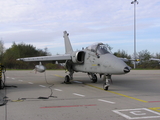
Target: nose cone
126	70
113	65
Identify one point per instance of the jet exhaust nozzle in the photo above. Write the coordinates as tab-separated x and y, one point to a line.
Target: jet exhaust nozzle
126	70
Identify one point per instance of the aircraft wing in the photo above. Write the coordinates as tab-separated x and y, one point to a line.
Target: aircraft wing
154	59
126	60
59	58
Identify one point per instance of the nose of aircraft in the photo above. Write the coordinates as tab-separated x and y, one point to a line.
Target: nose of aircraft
114	65
126	70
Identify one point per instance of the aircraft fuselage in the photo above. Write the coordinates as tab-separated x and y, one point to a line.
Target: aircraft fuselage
102	64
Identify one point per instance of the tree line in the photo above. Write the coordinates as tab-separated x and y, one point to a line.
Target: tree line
8	57
143	57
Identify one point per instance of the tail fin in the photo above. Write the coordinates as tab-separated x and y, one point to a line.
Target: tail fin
68	46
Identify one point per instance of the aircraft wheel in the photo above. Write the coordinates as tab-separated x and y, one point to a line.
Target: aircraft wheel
94	79
67	79
105	86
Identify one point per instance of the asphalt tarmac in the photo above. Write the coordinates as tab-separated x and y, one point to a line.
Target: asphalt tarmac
44	96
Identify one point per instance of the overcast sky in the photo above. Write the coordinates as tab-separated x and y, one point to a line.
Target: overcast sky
42	22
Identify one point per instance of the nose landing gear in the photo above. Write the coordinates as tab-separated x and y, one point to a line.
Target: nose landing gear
108	80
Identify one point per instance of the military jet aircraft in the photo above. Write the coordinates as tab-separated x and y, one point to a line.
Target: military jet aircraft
94	59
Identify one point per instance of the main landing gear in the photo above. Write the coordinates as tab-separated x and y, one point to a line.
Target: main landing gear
68	78
108	80
93	77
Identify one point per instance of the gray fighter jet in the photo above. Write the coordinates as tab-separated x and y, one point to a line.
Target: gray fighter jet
94	59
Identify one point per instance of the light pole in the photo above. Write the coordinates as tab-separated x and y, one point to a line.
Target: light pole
134	2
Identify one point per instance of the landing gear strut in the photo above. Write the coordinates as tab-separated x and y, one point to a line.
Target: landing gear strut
93	77
71	71
108	80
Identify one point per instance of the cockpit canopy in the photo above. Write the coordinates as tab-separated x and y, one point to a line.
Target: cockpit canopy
98	48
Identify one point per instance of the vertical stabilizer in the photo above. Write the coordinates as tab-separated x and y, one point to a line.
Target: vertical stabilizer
68	46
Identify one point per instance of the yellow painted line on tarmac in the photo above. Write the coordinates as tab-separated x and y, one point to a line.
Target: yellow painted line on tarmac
157	109
128	96
112	92
94	86
59	76
118	94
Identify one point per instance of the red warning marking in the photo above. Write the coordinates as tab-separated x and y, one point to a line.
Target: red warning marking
153	101
68	106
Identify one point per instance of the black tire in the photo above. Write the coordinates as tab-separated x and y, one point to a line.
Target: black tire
94	79
67	79
105	87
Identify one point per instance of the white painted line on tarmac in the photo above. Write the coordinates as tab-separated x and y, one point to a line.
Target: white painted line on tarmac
77	82
20	80
30	82
79	94
42	86
138	113
58	89
13	78
106	101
